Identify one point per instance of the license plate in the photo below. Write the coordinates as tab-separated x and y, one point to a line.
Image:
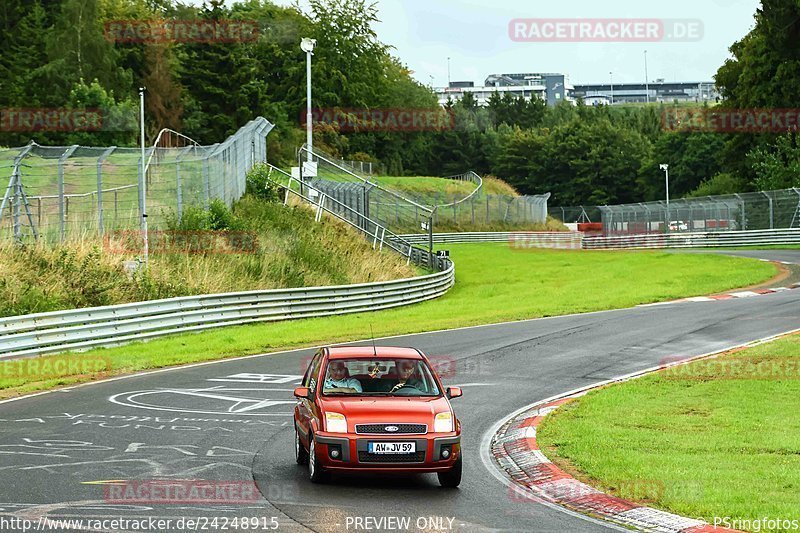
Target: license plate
392	447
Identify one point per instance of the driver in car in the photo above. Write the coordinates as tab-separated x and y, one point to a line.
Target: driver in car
338	381
405	371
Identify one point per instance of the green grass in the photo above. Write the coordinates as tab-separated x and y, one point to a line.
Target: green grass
519	284
443	190
708	443
761	247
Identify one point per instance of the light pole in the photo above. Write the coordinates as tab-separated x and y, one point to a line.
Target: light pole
612	87
143	182
665	168
646	80
307	45
448	72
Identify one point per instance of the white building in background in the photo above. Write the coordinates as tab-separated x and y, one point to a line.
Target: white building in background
552	88
482	94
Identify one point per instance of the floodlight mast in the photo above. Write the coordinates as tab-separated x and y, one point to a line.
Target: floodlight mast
307	45
665	168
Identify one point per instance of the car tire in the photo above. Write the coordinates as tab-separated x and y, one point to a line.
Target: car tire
452	478
300	452
316	473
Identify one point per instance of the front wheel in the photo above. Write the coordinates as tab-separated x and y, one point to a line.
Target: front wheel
316	472
452	478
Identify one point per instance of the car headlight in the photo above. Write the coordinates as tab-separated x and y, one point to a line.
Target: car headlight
443	423
335	423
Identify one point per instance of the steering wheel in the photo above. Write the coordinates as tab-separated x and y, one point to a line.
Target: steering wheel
406	386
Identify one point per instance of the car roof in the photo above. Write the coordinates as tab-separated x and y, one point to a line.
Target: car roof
378	352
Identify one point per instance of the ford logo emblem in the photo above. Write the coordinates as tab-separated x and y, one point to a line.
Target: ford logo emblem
391	429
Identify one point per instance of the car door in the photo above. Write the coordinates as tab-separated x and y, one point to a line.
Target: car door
305	408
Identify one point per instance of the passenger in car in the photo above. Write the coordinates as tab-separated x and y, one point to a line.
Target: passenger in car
338	379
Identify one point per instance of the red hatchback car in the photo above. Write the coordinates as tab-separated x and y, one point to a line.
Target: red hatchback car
376	409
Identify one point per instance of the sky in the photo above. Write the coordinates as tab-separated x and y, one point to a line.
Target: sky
474	34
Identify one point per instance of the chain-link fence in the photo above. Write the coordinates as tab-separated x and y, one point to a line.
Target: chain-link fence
576	213
364	167
391	209
56	192
731	212
410	212
490	209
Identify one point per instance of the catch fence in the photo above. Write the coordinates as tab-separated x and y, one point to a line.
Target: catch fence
56	192
750	211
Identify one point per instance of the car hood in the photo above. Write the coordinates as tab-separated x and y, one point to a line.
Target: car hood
387	410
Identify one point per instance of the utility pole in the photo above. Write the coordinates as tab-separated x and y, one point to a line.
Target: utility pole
612	87
646	80
665	168
143	182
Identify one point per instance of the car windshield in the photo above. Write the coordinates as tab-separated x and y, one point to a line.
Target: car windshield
379	377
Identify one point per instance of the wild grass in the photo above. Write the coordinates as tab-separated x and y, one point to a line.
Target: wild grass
704	441
291	250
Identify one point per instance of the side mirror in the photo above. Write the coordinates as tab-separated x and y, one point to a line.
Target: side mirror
301	392
454	392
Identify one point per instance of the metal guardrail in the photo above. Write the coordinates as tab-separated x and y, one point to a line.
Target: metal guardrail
695	239
571	239
519	239
60	331
470	177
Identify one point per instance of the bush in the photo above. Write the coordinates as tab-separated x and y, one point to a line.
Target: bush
196	218
260	185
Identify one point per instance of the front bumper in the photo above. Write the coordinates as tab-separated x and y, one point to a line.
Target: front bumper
353	452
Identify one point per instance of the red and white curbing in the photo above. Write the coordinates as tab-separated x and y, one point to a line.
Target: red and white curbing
728	296
515	449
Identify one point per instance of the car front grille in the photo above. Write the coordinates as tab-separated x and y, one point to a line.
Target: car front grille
402	429
416	457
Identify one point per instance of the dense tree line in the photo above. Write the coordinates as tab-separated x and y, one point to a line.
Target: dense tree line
60	54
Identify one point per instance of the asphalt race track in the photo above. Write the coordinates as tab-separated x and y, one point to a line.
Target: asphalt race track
230	421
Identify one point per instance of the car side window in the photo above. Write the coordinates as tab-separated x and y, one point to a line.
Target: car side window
313	373
310	370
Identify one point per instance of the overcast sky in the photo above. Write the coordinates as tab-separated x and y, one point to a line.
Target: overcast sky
475	35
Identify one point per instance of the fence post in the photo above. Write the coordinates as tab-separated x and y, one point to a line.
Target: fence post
100	161
15	210
206	185
472	208
63	207
771	225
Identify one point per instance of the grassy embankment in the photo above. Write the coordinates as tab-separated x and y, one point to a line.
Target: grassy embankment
290	250
523	284
713	438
